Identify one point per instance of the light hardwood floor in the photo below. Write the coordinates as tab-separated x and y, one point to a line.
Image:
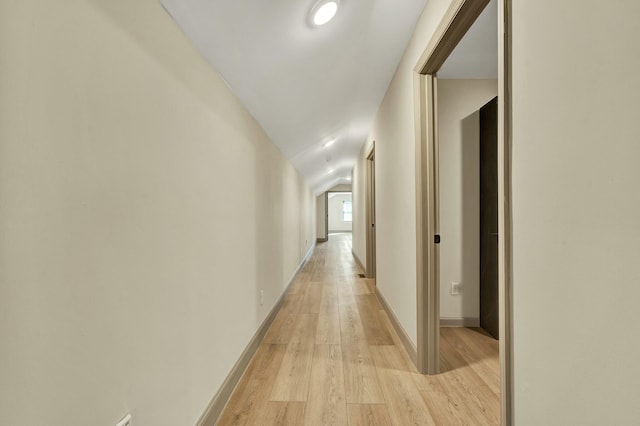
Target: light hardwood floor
332	357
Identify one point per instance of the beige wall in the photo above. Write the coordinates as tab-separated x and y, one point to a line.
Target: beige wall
459	137
336	213
342	187
358	196
394	136
576	210
143	209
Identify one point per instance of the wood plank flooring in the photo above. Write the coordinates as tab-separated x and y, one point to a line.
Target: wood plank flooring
332	357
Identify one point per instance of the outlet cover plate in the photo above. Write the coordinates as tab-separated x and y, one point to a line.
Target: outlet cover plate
455	288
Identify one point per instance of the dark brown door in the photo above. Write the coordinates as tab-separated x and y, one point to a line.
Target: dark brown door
489	217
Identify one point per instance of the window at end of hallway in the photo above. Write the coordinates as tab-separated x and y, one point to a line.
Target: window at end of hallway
346	211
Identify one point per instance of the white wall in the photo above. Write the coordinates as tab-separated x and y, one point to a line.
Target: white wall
336	216
459	137
576	212
321	216
143	209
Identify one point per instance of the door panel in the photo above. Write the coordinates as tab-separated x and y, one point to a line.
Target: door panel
489	218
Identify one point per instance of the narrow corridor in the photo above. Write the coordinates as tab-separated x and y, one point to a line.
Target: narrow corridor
332	357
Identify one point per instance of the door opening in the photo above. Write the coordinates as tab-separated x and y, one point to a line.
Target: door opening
456	22
371	214
339	213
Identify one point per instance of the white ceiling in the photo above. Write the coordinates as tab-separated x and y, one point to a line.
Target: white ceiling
306	85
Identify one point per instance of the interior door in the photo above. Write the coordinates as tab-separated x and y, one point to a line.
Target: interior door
489	218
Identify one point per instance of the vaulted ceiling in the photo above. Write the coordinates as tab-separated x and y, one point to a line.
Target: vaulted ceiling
305	85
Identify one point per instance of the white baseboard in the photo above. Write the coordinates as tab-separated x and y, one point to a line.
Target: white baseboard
459	322
220	400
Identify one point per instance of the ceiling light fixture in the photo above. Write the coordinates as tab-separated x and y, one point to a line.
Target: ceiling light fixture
329	143
331	171
324	11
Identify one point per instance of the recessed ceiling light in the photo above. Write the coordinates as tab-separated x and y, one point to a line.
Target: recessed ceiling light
329	143
324	11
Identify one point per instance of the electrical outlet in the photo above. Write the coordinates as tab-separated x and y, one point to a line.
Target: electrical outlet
126	421
261	297
455	288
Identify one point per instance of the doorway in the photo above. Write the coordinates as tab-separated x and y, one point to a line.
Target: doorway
460	103
456	22
339	212
371	213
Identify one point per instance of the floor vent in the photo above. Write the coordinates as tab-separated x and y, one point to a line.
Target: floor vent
361	275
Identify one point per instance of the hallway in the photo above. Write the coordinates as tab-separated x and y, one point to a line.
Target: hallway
332	356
